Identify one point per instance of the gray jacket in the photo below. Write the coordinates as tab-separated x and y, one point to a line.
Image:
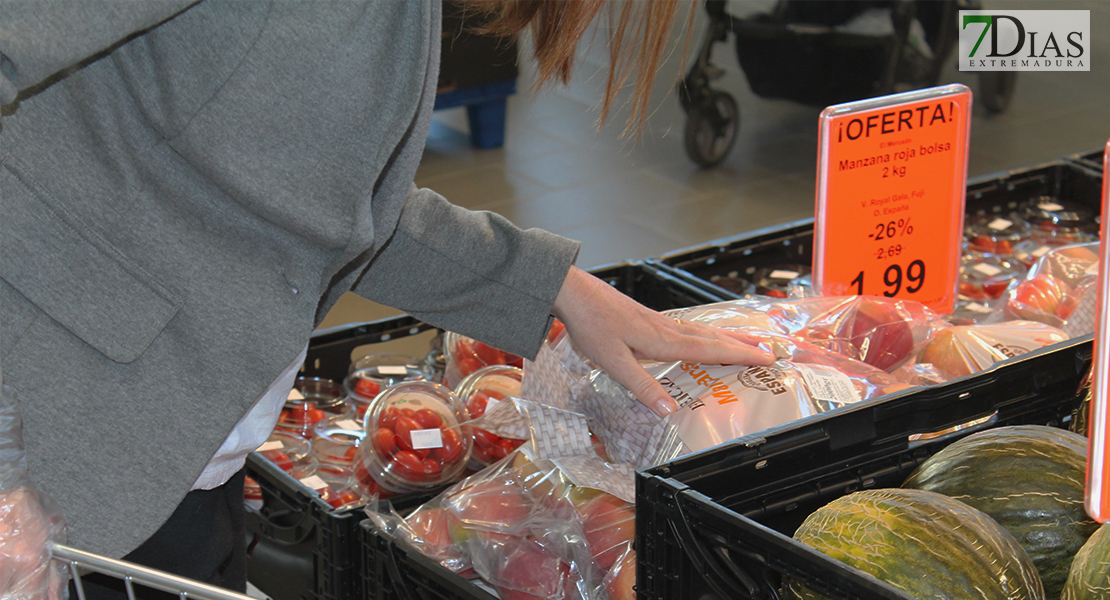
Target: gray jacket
180	210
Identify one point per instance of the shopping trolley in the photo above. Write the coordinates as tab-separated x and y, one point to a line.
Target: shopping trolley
805	51
76	561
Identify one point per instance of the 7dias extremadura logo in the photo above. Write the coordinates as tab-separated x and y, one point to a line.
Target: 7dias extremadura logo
1025	40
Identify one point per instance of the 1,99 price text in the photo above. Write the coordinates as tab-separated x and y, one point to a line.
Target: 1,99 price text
895	277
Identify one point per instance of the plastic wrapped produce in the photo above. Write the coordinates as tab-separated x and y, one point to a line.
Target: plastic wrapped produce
29	521
985	277
543	529
310	401
465	356
1058	284
482	391
416	438
966	349
996	234
373	373
882	332
720	403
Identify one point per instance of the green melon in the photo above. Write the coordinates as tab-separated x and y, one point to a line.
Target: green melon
1029	478
927	544
1090	571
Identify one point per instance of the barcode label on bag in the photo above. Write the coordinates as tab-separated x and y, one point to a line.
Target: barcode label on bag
828	385
988	270
1000	224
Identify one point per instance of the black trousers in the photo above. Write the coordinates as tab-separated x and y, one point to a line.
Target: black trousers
204	540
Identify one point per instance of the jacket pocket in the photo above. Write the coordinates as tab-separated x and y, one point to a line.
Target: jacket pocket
74	275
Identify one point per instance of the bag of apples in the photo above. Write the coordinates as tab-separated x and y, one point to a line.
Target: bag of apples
966	349
551	529
1059	290
29	520
718	403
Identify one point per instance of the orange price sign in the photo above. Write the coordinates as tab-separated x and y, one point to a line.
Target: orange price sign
890	196
1098	479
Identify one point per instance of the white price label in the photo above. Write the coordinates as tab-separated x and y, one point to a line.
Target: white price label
1092	269
1050	206
782	274
393	370
314	482
271	445
1041	251
296	395
424	439
349	424
1000	224
828	384
988	270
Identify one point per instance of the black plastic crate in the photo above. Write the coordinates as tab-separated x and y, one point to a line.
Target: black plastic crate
1092	159
397	571
302	548
717	524
743	255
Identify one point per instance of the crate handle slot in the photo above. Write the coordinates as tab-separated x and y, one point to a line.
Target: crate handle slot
737	580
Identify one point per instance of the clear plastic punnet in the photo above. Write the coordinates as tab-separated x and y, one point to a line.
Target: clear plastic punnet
417	438
483	392
30	522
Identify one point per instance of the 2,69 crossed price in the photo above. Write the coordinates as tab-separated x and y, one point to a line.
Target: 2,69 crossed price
914	279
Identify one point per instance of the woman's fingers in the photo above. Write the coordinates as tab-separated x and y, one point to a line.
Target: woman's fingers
615	332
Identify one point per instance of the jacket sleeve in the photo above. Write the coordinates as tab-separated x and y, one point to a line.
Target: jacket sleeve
472	272
38	39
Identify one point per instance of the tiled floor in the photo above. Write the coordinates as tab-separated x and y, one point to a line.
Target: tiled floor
625	201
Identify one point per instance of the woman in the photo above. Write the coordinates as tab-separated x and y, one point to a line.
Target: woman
187	189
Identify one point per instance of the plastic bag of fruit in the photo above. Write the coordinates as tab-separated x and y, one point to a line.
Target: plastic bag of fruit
718	403
29	521
1056	286
534	528
882	332
966	349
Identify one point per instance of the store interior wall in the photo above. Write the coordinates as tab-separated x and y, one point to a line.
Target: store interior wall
628	200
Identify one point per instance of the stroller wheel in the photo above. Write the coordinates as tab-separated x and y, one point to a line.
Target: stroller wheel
711	128
996	89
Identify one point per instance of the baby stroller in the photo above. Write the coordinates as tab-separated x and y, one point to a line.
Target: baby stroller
821	52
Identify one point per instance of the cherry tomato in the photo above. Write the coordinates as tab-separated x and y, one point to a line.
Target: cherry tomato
476	405
432	467
495	395
427	418
452	447
408	465
469	364
343	498
404	428
483	455
484	438
488	354
349	455
367	388
385	443
388	418
557	329
280	459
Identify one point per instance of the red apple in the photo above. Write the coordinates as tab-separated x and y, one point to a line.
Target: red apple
620	583
1037	298
498	505
609	525
528	571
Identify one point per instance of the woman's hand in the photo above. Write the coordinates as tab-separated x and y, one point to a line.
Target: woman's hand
616	332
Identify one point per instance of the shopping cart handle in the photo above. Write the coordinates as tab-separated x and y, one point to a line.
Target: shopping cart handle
132	573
